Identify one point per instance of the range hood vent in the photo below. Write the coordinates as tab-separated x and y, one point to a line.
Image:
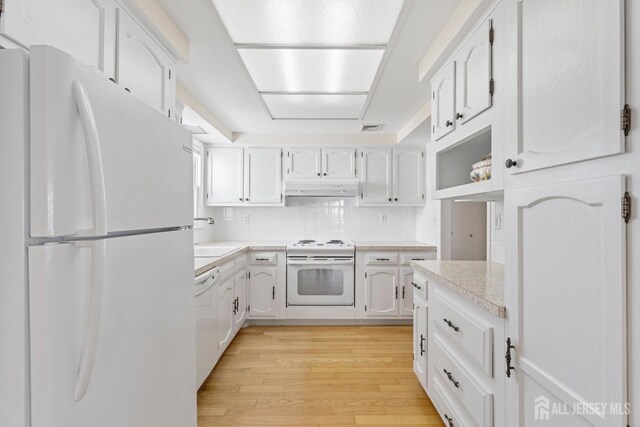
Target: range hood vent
321	189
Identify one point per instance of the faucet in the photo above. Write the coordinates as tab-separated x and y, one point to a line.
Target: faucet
208	219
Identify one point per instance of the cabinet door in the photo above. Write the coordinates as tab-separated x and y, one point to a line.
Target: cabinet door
382	290
473	74
263	176
408	176
443	92
406	299
225	176
240	296
226	304
262	293
338	163
304	162
143	67
376	176
420	341
570	82
83	28
566	302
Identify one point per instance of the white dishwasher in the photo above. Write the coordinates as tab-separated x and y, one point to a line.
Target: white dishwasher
206	324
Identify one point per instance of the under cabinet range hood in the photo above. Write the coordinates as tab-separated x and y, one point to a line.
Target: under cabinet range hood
321	189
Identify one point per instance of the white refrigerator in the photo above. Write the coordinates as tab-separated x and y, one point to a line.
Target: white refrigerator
97	325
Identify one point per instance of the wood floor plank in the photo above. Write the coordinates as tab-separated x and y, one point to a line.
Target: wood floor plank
316	376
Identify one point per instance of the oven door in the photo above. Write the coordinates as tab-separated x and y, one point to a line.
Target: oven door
320	281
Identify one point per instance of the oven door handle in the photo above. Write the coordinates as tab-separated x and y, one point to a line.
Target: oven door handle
327	262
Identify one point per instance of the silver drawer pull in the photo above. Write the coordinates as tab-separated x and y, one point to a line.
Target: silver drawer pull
382	259
417	259
455	383
262	259
451	325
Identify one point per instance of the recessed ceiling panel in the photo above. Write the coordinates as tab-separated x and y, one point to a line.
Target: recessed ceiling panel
309	22
312	70
296	106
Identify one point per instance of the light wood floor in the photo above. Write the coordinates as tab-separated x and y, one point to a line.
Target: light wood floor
316	376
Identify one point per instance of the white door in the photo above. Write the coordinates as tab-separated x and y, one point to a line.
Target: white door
92	142
408	176
382	291
376	176
420	340
240	291
566	303
225	176
570	81
406	299
263	176
304	162
84	29
226	313
443	92
106	317
473	74
143	67
262	292
338	163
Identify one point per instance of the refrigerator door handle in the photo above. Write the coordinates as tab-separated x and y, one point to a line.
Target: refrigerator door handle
94	159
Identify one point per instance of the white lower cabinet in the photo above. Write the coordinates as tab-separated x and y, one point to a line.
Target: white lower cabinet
226	312
263	299
406	297
420	340
240	298
381	291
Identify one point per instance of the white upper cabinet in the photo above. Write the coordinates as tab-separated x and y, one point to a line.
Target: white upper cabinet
304	162
569	81
381	292
83	28
338	163
473	74
225	176
143	67
263	176
376	176
443	94
408	175
565	267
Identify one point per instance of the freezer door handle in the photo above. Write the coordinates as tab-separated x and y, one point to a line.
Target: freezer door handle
94	159
92	313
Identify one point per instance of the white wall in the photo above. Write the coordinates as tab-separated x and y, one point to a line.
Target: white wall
314	219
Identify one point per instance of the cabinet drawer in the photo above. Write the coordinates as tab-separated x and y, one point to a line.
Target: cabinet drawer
407	257
241	263
464	329
448	408
382	258
420	285
226	271
459	382
263	258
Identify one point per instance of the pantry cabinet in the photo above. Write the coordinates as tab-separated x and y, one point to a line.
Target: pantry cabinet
143	67
263	298
239	176
569	72
84	29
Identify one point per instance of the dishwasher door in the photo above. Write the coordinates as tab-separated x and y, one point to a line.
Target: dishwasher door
206	324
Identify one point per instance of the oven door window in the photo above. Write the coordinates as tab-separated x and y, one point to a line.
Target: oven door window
320	281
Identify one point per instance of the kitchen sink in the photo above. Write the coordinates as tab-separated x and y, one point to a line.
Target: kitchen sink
212	251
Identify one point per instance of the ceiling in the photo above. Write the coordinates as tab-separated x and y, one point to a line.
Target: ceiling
334	69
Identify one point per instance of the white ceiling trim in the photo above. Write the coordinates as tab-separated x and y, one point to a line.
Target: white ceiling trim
187	98
420	117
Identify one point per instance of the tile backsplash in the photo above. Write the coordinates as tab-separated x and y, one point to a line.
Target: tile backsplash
316	219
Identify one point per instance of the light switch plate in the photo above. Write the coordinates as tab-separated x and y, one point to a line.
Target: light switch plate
497	221
383	217
245	219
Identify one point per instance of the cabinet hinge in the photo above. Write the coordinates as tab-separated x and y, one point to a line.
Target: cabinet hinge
281	154
288	153
248	308
626	207
281	197
365	308
422	154
433	95
491	35
207	195
423	197
287	171
169	73
362	196
365	275
169	113
491	87
249	275
362	154
626	119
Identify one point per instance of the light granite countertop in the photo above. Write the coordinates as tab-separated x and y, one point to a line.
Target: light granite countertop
390	245
204	264
481	282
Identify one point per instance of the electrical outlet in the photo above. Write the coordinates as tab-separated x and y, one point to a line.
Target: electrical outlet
383	217
245	219
497	221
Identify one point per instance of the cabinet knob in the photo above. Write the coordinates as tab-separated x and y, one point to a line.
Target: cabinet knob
325	174
318	173
241	199
246	200
449	123
396	199
390	199
509	163
459	116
